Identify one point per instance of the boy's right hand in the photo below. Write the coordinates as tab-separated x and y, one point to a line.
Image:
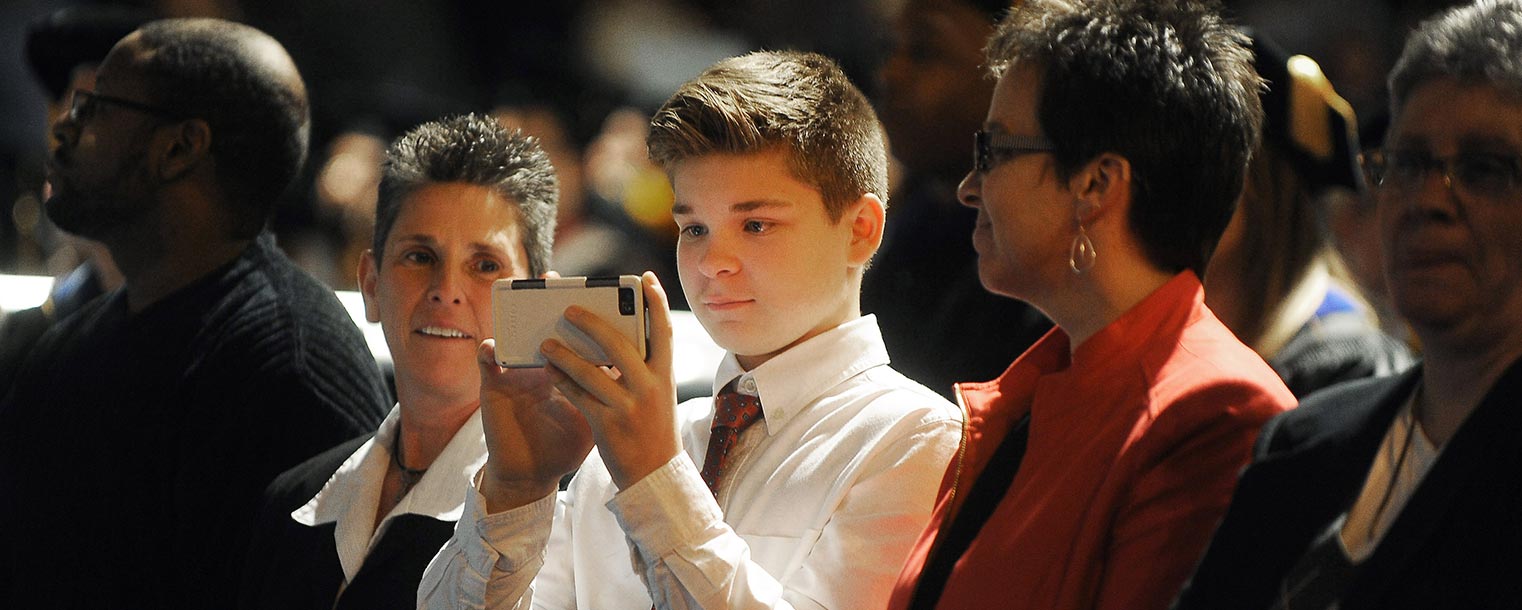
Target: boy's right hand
533	435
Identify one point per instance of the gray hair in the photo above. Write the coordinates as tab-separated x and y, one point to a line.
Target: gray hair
476	150
1475	44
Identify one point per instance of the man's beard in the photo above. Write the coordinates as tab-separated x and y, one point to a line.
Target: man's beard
94	215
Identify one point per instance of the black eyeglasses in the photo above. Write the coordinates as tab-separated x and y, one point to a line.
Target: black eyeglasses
84	104
990	148
1477	174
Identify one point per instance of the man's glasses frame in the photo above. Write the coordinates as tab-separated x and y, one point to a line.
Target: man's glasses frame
84	102
1480	174
991	148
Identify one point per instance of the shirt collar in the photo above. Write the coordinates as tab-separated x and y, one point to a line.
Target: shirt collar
795	378
351	495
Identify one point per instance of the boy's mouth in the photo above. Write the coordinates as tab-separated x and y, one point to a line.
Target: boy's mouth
724	304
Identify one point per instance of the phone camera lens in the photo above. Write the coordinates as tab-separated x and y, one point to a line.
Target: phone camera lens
626	301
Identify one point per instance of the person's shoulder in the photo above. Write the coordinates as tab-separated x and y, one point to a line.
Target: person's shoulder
303	300
1213	384
267	297
300	482
278	322
1210	365
882	391
1338	347
1335	413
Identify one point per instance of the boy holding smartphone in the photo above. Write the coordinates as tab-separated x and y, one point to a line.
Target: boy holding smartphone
777	163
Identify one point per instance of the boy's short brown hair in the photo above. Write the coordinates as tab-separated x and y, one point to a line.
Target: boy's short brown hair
801	101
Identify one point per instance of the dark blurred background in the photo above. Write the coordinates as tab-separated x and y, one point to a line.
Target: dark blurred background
580	74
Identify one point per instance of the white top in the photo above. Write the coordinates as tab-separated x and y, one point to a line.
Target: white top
352	494
1405	455
820	506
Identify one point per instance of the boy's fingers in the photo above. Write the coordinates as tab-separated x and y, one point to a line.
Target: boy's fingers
660	324
567	386
584	380
621	353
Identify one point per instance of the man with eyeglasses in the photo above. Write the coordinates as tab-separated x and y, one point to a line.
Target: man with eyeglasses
63	49
1404	492
142	429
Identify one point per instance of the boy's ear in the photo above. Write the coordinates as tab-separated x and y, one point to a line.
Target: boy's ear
867	217
1103	187
186	145
368	273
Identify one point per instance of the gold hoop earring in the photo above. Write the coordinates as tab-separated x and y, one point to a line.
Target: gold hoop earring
1081	254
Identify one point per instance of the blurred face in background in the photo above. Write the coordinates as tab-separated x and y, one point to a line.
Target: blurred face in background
558	142
934	88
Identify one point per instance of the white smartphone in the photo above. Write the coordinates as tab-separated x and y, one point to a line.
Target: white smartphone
526	312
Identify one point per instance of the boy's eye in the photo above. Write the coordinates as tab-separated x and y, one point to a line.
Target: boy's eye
694	230
417	257
757	226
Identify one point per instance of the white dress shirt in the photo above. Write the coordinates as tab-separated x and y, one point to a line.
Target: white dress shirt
818	509
352	495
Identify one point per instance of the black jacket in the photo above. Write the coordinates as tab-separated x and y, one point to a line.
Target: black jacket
1456	544
134	446
293	566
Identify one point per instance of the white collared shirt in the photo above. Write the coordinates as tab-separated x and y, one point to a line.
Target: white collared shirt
352	495
820	505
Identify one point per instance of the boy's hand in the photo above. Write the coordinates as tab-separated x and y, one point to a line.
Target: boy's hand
533	436
632	414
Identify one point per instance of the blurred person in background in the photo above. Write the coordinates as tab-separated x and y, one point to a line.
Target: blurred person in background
377	68
462	203
940	325
63	49
142	429
1276	280
593	237
1403	491
1353	219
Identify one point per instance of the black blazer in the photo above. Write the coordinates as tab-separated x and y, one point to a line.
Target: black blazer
294	566
1456	544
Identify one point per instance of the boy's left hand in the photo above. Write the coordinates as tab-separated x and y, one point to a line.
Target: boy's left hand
632	413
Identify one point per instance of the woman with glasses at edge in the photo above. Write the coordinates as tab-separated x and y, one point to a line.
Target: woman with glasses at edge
1404	491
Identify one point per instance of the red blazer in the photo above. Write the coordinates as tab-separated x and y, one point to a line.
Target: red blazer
1135	445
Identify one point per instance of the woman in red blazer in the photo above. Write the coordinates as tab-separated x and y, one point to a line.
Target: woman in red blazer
1094	469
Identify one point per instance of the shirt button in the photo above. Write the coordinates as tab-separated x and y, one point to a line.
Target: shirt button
748	385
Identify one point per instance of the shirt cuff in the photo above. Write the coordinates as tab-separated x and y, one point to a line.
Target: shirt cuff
667	508
512	538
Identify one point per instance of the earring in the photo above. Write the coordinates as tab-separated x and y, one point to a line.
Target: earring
1081	254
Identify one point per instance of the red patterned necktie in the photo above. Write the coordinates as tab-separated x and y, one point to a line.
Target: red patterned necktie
733	412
